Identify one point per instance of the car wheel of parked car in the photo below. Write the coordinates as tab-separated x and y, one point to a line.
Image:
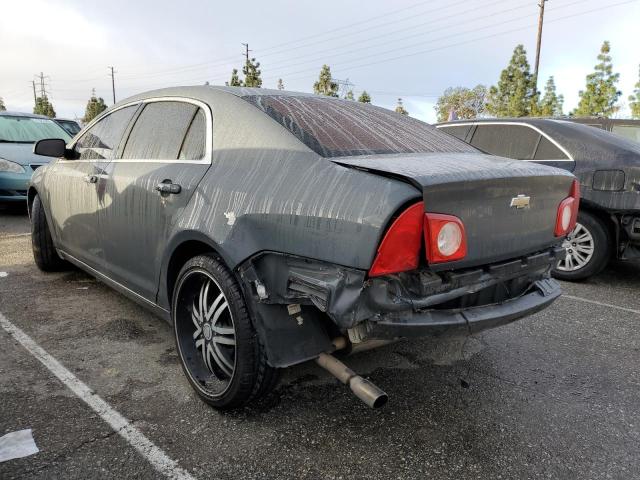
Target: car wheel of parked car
588	249
44	253
219	349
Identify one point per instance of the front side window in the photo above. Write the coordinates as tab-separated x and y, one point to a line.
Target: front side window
336	128
18	129
511	141
160	130
101	141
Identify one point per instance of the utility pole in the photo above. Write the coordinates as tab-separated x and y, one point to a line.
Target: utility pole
113	84
35	97
539	41
246	52
42	90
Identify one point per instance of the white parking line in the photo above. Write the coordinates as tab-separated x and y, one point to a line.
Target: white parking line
602	304
14	235
160	461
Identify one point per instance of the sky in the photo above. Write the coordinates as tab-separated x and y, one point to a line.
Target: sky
403	48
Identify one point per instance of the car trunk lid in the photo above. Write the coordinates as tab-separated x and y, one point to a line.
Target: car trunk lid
489	194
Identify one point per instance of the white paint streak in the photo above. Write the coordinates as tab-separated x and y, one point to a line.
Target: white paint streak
158	459
3	274
602	304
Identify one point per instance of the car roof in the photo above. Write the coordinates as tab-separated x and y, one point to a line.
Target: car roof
6	113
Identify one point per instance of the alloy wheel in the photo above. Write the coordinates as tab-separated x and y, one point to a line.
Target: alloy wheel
205	332
579	246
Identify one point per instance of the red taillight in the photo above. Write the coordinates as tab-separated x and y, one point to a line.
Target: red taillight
445	238
400	248
568	212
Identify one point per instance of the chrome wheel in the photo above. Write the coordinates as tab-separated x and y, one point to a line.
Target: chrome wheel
579	246
205	332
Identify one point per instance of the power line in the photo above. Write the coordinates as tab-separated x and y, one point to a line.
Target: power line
421	52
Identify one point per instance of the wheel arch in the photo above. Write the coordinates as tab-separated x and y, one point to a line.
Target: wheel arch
607	220
31	195
185	246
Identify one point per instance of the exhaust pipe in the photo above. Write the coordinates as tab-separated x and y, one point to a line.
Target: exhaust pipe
361	387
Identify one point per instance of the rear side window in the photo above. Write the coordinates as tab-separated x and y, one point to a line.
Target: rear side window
511	141
101	141
548	151
194	143
458	131
159	131
336	128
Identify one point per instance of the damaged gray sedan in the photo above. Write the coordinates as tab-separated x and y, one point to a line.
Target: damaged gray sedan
273	228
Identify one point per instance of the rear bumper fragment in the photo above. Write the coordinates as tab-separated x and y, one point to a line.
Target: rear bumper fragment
467	320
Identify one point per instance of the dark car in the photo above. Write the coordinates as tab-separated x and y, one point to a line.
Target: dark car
18	132
607	165
627	128
71	126
271	228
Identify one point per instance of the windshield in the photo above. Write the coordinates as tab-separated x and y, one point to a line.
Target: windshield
29	130
336	128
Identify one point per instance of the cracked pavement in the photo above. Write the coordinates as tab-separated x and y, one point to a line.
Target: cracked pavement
556	395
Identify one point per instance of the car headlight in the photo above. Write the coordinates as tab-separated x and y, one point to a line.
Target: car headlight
13	167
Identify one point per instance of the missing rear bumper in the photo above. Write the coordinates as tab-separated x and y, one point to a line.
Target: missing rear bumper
300	304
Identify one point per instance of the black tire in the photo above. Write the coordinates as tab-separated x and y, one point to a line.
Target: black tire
206	324
601	249
44	252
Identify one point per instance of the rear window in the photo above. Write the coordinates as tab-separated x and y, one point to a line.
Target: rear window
336	128
631	132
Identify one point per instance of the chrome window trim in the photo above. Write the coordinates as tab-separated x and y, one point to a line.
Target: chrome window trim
208	149
523	124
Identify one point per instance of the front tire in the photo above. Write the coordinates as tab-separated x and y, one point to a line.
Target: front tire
588	249
219	349
44	252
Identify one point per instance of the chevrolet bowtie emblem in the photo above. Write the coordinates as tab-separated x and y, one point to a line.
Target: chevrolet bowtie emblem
521	201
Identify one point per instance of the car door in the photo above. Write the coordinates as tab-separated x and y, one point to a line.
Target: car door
75	187
166	154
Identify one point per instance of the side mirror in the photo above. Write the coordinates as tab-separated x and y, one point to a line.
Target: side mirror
50	147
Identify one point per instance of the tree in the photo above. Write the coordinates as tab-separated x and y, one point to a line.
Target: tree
464	102
551	104
280	84
364	97
634	100
235	80
400	108
2	107
95	106
599	97
349	95
516	94
44	107
325	85
252	72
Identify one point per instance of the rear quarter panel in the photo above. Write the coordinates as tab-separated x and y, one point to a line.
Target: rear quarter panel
266	190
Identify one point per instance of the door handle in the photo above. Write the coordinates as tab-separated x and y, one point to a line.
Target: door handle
167	188
91	179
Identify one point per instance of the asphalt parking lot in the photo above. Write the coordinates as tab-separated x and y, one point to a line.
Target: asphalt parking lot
556	395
